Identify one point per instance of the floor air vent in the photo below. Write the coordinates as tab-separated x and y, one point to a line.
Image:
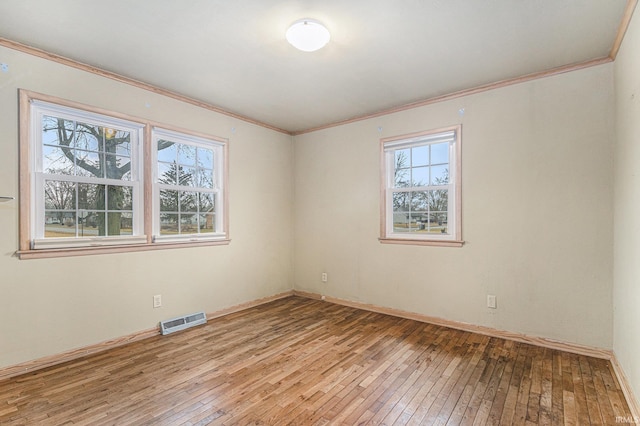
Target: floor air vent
180	323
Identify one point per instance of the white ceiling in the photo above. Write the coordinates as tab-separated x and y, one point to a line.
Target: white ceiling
383	53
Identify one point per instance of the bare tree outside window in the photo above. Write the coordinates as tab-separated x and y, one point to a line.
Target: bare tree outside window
76	148
422	208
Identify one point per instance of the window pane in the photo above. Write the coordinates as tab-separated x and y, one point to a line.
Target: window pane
89	164
401	201
204	178
206	202
91	196
186	176
127	175
186	155
126	223
188	224
207	223
401	178
56	131
117	141
420	156
401	158
167	173
118	167
167	151
59	224
440	153
168	223
88	137
188	201
122	142
440	223
205	158
120	197
55	161
419	201
418	222
168	201
420	176
88	222
401	222
438	200
119	223
440	175
59	195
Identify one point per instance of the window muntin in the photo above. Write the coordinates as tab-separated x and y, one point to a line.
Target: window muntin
421	195
86	177
189	187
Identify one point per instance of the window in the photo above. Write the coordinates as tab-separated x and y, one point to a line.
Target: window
421	194
188	184
88	184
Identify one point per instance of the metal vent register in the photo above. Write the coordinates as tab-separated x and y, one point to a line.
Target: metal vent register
180	323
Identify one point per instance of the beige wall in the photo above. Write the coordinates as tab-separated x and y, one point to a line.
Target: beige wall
537	219
537	212
49	306
626	289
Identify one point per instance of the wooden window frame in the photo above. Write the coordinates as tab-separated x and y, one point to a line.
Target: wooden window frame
387	236
26	182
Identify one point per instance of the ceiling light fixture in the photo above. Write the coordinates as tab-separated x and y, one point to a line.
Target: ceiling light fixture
308	35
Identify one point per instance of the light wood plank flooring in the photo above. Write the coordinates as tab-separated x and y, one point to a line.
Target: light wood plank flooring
306	362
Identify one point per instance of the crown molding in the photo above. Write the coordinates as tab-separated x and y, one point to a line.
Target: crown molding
130	81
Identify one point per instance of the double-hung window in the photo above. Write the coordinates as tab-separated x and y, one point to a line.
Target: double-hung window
87	182
189	178
421	193
95	181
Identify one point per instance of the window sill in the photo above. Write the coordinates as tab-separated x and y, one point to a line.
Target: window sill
87	251
416	242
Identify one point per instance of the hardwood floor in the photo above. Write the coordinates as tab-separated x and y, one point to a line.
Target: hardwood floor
306	362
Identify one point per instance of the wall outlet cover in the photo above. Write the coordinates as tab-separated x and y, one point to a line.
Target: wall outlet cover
491	301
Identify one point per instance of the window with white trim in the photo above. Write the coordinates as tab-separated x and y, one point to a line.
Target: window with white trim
188	197
421	194
86	179
95	181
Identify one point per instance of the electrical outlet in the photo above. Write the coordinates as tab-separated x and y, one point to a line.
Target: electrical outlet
157	300
491	301
324	277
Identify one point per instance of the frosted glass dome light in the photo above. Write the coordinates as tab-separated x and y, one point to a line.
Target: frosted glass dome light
308	35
